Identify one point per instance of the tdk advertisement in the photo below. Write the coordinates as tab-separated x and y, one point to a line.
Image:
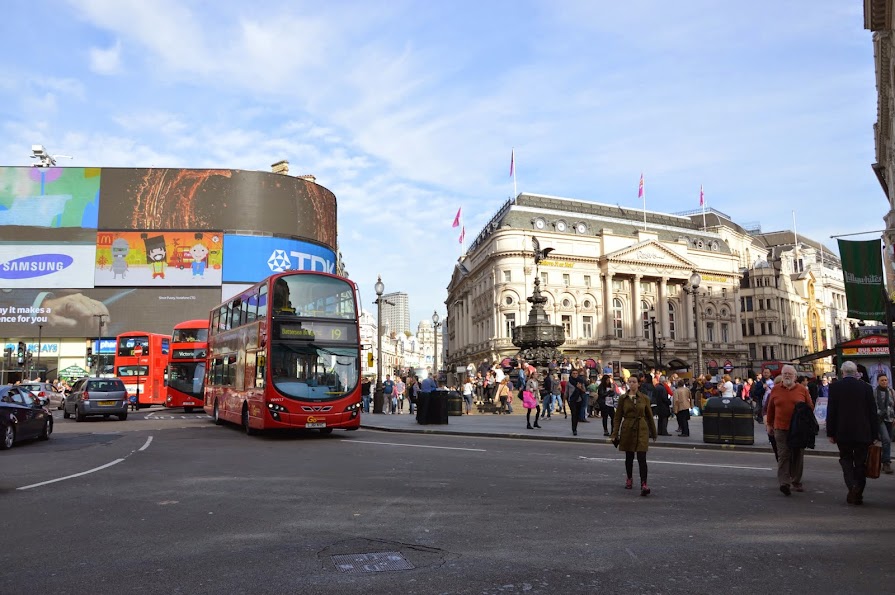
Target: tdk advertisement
248	259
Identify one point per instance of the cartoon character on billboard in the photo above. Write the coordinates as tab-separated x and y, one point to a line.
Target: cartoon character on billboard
120	250
156	254
200	257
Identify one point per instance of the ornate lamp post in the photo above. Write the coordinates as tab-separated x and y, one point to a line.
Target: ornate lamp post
435	325
652	322
379	287
695	280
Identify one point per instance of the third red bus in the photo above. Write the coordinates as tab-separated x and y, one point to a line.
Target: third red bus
141	360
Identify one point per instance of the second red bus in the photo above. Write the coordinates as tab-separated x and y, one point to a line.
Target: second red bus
186	365
141	360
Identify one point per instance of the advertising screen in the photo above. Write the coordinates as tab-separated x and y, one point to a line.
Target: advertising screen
252	258
49	196
46	265
72	313
158	258
162	198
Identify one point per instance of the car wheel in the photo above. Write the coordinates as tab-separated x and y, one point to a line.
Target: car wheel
65	413
48	429
78	415
217	416
245	421
326	431
9	437
122	416
187	409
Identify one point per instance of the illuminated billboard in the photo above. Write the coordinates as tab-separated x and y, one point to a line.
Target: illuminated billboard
252	258
46	265
158	258
72	313
49	196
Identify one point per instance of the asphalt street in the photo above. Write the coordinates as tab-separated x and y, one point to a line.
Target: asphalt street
170	503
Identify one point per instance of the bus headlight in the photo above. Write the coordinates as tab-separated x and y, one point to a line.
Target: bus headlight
276	407
354	407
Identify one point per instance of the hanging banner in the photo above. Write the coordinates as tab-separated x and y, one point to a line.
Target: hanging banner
862	271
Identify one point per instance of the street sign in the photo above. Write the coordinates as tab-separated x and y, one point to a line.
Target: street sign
728	367
138	350
73	372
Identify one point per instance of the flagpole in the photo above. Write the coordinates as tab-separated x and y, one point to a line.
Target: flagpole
795	235
513	170
702	201
642	192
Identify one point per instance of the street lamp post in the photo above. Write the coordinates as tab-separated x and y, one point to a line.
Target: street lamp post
40	330
652	321
435	325
695	280
379	287
99	336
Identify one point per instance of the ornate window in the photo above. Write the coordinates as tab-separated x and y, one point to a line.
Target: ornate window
617	318
672	327
644	317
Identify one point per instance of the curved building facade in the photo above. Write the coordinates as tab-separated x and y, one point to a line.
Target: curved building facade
87	253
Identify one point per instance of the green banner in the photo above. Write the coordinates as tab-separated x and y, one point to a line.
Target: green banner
862	270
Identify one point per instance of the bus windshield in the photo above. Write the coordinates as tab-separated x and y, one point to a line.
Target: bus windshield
190	335
316	296
133	370
187	377
126	345
311	372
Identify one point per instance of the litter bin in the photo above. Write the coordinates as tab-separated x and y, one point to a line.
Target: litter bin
727	421
454	403
432	408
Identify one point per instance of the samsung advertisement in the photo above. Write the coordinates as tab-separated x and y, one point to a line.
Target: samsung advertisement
249	259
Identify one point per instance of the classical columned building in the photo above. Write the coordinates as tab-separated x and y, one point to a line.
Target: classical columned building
610	280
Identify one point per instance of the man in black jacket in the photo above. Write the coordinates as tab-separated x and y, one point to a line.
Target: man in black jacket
852	425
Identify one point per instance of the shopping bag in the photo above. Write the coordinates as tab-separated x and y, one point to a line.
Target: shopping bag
874	460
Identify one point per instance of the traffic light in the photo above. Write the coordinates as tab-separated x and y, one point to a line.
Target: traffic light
369	359
7	353
21	354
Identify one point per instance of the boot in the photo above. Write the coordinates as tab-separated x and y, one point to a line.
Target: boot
644	490
536	424
529	427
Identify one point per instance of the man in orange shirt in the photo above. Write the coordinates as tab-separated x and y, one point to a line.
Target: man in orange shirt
781	404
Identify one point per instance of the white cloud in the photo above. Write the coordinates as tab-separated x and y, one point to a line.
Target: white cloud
106	60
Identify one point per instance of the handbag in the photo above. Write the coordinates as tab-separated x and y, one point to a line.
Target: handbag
874	461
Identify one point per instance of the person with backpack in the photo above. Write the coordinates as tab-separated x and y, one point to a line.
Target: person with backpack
756	394
606	400
885	410
781	406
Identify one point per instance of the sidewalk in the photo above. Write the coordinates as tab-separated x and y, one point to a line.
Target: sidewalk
560	429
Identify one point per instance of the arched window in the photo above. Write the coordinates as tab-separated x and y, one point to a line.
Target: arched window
672	332
644	317
617	310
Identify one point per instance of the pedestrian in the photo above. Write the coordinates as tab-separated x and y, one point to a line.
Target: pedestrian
467	394
530	399
885	410
662	398
577	398
400	387
631	430
365	393
781	405
547	395
852	425
414	390
503	394
606	401
556	389
726	387
388	392
682	401
593	398
571	385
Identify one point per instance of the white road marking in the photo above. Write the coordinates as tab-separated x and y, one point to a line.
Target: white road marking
415	445
145	446
651	461
43	483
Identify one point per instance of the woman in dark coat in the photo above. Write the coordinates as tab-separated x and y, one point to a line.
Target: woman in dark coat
631	430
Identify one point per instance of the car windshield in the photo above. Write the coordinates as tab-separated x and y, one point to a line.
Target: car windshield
187	377
105	385
310	372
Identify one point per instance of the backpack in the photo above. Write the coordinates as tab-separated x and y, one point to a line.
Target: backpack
802	428
757	391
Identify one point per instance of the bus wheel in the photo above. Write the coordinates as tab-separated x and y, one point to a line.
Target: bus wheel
217	415
187	409
326	430
245	421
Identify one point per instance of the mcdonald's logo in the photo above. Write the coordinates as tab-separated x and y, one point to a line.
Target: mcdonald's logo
104	239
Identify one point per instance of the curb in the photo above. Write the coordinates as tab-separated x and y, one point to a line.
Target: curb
601	440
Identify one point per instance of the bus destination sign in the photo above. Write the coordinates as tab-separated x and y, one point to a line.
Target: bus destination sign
343	332
188	354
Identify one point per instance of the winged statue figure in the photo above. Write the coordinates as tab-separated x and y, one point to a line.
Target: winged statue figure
539	254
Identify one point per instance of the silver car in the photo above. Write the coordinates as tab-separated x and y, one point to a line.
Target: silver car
46	390
96	396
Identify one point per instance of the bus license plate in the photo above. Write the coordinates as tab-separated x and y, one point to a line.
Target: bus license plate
319	424
107	403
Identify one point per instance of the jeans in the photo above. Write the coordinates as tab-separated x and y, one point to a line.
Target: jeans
366	403
885	436
582	411
547	406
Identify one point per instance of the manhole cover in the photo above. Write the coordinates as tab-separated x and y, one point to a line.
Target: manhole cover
373	562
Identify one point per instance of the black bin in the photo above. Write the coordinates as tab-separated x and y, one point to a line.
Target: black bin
432	408
454	403
727	421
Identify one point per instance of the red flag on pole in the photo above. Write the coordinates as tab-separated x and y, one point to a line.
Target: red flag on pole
701	196
462	234
512	162
640	190
457	218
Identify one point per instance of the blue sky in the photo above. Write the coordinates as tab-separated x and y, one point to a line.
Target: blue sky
408	110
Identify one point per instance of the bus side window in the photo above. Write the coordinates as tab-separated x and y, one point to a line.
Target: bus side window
250	369
262	302
231	370
259	370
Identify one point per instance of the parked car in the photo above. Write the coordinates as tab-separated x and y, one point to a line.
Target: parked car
45	389
96	396
22	417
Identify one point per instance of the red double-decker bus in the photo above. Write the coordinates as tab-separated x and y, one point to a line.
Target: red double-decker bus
186	365
285	353
141	360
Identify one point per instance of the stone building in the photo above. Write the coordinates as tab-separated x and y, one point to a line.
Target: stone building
611	273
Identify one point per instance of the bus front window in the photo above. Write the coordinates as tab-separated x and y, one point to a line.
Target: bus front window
307	371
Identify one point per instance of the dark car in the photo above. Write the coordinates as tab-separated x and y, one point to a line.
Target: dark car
22	416
45	389
96	396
